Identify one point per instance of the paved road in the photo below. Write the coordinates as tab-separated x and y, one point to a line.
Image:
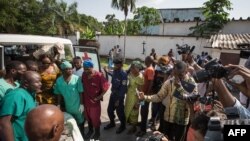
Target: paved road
110	135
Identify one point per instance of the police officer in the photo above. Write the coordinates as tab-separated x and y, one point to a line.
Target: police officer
116	101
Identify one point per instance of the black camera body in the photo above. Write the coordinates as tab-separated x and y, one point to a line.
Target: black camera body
216	125
213	69
206	100
185	49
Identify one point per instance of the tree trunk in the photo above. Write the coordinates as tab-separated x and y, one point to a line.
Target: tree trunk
125	34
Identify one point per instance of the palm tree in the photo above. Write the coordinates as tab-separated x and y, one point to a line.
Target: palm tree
125	6
66	17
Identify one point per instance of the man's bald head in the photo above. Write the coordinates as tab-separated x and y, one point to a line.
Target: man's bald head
31	81
46	122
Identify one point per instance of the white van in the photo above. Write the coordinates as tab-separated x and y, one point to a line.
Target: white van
20	47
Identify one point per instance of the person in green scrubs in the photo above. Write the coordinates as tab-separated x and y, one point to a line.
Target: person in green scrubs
14	70
15	106
70	87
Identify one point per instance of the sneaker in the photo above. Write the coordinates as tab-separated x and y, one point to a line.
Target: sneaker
88	135
96	136
120	129
109	126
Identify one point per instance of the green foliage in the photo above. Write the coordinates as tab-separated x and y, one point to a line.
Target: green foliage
68	53
124	5
88	34
47	17
215	17
133	27
147	16
91	22
113	26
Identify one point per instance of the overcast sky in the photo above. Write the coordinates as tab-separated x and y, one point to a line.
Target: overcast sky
100	8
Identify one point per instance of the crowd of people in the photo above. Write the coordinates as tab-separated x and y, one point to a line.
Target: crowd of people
114	53
33	95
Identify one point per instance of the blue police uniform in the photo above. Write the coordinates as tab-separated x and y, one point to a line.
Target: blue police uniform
118	91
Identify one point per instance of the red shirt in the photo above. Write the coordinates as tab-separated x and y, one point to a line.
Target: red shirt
93	87
149	74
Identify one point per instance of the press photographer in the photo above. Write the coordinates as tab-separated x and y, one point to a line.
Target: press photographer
184	51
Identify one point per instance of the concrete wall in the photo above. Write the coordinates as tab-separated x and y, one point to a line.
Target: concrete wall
236	27
182	28
162	45
176	28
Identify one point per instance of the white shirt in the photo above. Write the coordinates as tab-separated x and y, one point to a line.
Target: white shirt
78	72
243	101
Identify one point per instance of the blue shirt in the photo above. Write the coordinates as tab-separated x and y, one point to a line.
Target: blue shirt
243	112
119	84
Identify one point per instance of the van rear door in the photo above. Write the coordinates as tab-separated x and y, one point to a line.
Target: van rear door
89	53
2	57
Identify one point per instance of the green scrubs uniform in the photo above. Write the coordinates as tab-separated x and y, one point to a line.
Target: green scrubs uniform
18	103
71	94
6	87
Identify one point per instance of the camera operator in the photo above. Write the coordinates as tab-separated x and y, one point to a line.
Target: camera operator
226	98
177	110
244	100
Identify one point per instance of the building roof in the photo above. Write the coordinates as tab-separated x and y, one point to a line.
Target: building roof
187	15
181	14
231	41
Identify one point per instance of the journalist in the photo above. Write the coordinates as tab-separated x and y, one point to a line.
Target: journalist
177	110
226	98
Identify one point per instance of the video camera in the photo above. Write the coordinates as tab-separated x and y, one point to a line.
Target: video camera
216	125
213	69
185	49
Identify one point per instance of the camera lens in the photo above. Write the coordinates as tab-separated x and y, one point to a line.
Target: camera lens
201	76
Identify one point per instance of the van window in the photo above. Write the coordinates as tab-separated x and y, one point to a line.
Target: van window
68	53
19	52
88	53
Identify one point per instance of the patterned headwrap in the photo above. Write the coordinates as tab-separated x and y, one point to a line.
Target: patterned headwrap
65	65
88	64
137	64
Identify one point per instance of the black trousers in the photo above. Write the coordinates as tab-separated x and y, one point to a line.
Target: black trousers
156	110
144	116
162	121
175	132
119	110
